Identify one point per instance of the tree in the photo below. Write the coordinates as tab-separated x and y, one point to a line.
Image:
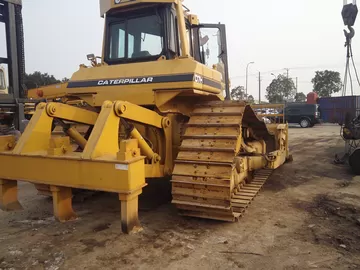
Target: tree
300	97
64	80
38	79
238	93
282	88
251	99
326	83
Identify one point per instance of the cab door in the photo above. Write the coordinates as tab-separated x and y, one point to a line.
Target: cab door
210	49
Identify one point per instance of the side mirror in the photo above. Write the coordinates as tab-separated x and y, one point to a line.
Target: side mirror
91	57
204	40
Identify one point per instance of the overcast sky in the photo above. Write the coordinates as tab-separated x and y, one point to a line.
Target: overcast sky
303	35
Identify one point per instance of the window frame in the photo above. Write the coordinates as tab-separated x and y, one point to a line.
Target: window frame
115	19
2	80
173	33
125	47
190	36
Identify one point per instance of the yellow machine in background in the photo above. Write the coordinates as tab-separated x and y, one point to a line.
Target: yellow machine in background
153	107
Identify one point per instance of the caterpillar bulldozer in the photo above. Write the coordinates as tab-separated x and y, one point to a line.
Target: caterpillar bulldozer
155	105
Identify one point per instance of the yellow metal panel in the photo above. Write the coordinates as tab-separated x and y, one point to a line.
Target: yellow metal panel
201	180
210	143
154	170
212	192
104	139
194	20
225	120
202	155
219	131
71	113
50	91
62	203
256	163
141	94
129	212
138	114
185	50
7	143
59	146
37	134
189	169
61	171
9	196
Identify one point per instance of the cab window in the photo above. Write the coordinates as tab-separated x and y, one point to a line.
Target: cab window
136	38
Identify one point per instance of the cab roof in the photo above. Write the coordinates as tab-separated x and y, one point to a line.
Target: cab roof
16	2
107	5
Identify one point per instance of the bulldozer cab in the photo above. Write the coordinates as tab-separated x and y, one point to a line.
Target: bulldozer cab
144	31
136	37
150	48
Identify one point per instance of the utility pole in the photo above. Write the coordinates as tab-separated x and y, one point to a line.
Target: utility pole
259	87
247	76
287	75
287	72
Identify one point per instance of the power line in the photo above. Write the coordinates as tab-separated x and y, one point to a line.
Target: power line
259	87
298	68
287	72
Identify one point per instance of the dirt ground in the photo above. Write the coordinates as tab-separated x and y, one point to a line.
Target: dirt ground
307	216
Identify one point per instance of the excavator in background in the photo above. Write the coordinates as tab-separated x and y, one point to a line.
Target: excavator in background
155	105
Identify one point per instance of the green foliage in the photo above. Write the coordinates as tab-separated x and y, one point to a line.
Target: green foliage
251	99
281	89
38	79
326	83
300	97
238	93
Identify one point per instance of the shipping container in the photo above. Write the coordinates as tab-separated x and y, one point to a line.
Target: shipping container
312	98
334	109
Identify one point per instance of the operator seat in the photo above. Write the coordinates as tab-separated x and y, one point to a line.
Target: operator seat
140	54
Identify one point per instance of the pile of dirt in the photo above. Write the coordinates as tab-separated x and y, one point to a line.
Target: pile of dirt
332	223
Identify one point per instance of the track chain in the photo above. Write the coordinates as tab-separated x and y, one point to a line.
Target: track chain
203	179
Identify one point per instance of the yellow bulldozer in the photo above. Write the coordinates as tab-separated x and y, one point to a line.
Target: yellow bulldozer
154	105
